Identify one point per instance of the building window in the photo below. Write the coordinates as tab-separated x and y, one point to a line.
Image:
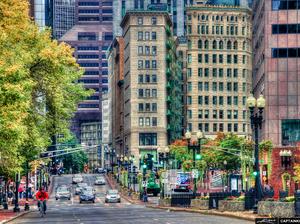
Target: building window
147	36
235	87
141	107
206	127
154	50
154	93
200	72
141	93
154	79
206	72
214	44
154	121
189	58
154	107
290	131
235	127
206	114
229	116
199	58
229	127
147	107
229	59
235	100
285	5
206	86
189	87
235	114
229	102
189	100
147	139
220	59
141	121
235	59
147	64
206	100
140	50
140	20
147	121
154	64
221	45
214	58
200	100
153	35
285	52
228	72
214	71
199	44
221	86
214	100
154	20
206	57
206	44
214	86
189	114
140	35
215	114
221	100
200	114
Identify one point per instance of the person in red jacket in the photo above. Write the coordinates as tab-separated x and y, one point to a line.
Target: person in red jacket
42	196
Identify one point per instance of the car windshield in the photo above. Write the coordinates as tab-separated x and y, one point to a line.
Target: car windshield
99	178
63	190
87	192
112	192
81	184
77	176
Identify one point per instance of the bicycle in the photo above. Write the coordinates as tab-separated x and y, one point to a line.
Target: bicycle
42	208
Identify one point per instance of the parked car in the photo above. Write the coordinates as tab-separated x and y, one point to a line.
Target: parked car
112	196
100	180
87	194
63	193
77	178
79	187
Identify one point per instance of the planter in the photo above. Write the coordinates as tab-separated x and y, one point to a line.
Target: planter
165	202
276	209
233	206
200	204
135	196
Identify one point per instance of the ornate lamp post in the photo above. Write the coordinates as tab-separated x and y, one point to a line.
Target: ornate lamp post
256	123
195	148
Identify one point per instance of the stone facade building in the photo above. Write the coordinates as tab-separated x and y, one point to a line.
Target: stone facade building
150	111
219	68
276	71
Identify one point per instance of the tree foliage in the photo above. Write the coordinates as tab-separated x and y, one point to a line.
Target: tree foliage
38	86
75	161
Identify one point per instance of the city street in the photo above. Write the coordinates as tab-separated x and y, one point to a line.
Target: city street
64	211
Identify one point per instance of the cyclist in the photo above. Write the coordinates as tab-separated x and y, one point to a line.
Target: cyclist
42	196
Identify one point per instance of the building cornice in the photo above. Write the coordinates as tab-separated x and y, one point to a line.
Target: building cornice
218	8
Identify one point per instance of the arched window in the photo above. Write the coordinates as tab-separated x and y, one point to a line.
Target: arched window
217	17
214	44
221	45
244	45
206	44
203	17
199	44
229	45
235	45
232	18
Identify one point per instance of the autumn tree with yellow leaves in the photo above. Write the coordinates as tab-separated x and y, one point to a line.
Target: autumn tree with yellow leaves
39	91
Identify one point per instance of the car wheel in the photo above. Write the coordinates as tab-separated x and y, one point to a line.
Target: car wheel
93	201
80	201
69	199
106	201
119	201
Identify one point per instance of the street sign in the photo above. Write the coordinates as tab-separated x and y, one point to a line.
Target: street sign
157	181
195	173
144	184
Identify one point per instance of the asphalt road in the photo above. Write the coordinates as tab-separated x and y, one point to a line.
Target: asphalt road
71	212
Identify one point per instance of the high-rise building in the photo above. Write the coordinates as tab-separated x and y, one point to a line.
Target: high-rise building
42	12
219	68
116	90
90	37
276	74
63	17
151	87
176	9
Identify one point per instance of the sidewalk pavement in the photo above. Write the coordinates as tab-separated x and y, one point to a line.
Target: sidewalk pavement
245	215
9	214
114	185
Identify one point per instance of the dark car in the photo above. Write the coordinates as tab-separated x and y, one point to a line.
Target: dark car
87	194
79	187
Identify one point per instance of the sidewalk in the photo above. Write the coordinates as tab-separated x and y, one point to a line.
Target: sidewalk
246	215
9	214
114	185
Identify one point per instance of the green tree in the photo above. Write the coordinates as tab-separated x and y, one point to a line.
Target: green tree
75	161
38	87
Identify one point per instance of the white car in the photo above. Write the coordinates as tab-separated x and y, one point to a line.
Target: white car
77	179
100	181
112	196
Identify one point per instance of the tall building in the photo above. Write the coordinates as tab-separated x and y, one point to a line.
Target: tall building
150	83
276	67
116	88
219	68
90	37
42	12
63	17
106	130
176	9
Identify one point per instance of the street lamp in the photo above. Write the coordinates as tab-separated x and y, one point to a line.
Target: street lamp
195	148
256	123
27	207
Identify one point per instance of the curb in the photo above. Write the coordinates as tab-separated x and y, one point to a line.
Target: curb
203	212
15	217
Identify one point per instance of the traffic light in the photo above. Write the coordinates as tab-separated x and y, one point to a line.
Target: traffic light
144	166
255	173
198	157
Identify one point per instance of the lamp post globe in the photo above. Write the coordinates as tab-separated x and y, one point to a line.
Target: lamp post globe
188	135
167	149
200	134
261	102
251	101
